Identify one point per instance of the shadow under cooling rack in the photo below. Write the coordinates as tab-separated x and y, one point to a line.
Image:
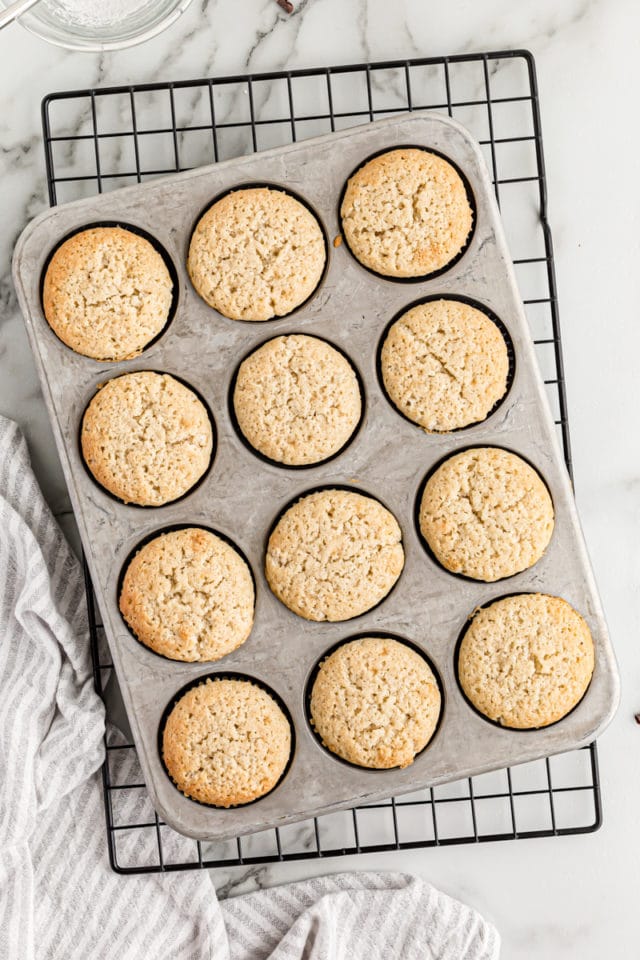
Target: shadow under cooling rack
99	140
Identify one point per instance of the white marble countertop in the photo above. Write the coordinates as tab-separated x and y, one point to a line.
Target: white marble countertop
557	898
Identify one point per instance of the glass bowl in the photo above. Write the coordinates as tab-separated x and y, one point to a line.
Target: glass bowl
54	21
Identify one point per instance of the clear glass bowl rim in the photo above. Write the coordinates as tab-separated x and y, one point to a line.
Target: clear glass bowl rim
35	26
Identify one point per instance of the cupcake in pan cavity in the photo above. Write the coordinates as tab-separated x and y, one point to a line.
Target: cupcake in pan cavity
297	400
107	293
485	513
226	742
406	214
147	438
334	555
257	253
445	364
375	702
525	661
188	595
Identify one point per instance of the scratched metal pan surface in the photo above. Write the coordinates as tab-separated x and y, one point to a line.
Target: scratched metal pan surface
389	457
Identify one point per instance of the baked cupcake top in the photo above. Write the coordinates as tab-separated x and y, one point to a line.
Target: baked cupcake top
107	293
444	365
486	514
226	742
188	595
257	253
526	661
333	555
406	213
375	702
297	399
146	438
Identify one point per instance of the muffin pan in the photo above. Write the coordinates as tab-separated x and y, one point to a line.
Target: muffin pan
388	458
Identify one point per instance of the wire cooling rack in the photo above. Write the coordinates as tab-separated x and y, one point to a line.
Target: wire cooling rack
98	140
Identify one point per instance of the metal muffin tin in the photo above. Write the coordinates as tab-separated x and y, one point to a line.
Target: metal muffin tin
388	458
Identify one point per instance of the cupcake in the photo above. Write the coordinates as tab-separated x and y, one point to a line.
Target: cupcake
334	555
226	742
107	293
257	253
525	661
146	438
406	213
444	365
297	400
188	595
375	702
486	514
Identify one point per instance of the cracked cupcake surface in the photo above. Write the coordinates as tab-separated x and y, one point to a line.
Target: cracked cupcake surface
375	702
226	742
444	365
486	514
146	438
257	253
333	555
406	213
188	595
107	293
526	661
297	400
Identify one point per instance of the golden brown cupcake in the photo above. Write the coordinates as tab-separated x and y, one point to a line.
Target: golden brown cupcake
486	514
375	702
334	555
526	661
406	213
146	438
257	253
107	293
444	365
297	400
188	595
226	742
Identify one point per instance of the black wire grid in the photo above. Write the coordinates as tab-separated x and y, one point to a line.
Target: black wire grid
98	140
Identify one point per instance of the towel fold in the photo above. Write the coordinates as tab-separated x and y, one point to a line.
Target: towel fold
59	899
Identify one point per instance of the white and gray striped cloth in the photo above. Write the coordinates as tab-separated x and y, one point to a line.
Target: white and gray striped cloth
58	896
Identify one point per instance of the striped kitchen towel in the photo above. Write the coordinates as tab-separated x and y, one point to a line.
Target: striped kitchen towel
59	899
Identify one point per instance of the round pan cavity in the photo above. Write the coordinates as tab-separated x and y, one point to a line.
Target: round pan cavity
282	764
200	479
242	622
296	466
432	274
543	489
294	591
504	651
240	188
468	301
373	635
157	247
